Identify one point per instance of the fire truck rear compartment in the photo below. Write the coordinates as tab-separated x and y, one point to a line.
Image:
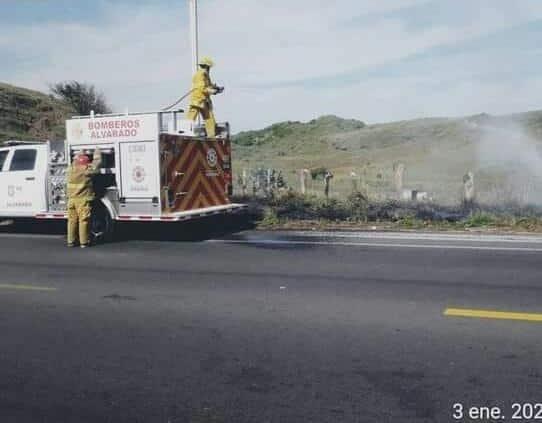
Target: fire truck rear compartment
194	173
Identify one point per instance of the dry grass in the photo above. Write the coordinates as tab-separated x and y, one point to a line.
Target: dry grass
294	211
436	152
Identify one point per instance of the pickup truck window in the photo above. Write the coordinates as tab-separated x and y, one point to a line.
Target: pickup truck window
23	160
3	155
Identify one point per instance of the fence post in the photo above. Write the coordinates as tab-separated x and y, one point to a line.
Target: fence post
364	181
255	182
327	179
354	176
468	189
244	183
303	180
398	175
268	181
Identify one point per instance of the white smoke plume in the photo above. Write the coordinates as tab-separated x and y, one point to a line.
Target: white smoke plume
510	159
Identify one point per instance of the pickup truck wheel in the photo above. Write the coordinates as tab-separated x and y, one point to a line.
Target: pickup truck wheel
101	224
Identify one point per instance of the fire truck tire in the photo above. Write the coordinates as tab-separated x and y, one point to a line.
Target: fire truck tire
101	224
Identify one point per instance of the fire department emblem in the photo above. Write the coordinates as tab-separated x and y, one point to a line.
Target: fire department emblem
138	174
212	158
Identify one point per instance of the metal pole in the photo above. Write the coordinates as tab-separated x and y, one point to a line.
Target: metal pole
194	33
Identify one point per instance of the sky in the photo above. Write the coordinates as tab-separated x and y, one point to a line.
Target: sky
376	61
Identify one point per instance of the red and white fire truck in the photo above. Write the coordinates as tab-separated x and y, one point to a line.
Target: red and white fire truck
155	167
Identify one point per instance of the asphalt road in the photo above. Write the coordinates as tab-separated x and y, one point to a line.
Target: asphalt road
267	327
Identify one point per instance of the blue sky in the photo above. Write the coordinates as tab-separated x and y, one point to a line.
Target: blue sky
16	12
287	60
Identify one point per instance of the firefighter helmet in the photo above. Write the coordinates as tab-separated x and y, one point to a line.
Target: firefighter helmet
82	159
206	61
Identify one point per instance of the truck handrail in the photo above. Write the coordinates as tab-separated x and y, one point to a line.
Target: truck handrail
13	143
126	114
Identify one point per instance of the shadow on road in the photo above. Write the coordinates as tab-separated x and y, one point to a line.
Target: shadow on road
189	231
33	226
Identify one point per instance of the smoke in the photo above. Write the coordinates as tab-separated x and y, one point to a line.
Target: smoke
509	162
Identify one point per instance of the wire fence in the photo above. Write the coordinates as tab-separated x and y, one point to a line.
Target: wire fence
379	186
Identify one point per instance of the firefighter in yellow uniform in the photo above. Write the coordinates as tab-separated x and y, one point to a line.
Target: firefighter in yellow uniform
81	194
202	90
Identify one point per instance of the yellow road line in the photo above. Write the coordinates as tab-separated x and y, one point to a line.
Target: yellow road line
491	314
26	287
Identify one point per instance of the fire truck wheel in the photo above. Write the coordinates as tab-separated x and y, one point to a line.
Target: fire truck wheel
101	224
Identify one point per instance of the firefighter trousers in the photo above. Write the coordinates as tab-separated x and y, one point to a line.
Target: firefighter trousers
79	213
208	116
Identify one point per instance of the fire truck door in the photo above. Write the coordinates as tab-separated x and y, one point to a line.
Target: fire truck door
4	153
139	170
23	181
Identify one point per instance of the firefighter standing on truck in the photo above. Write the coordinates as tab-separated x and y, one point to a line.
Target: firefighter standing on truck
80	193
202	90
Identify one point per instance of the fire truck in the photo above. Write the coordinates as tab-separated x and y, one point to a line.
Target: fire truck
156	167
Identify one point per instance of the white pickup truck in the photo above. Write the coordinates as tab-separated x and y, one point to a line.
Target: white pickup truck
155	167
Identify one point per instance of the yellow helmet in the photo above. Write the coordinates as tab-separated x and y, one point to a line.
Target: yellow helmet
206	61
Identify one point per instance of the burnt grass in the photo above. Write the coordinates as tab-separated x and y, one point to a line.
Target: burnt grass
292	208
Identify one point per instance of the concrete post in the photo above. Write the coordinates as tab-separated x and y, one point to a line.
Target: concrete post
303	180
327	179
468	189
398	175
354	176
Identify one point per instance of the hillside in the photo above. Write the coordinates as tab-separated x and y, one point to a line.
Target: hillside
323	126
502	151
30	115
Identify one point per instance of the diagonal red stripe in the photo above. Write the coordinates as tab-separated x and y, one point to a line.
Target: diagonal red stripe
179	183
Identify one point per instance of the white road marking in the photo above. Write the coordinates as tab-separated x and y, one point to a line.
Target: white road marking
377	244
514	238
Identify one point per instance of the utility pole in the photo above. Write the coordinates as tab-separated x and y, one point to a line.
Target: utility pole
194	33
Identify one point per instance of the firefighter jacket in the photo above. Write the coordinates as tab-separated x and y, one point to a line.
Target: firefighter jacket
79	180
202	89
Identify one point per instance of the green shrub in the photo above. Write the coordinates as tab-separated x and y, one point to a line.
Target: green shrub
318	173
291	205
270	218
357	204
331	209
480	219
410	222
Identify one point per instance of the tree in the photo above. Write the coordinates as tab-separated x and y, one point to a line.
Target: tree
82	97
